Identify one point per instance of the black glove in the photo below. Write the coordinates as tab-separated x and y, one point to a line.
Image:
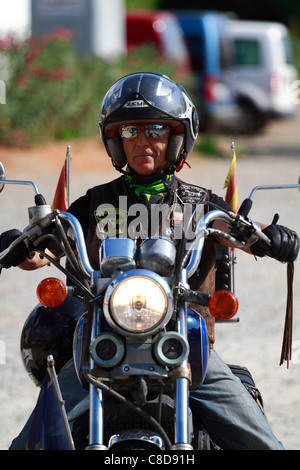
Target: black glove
18	254
284	244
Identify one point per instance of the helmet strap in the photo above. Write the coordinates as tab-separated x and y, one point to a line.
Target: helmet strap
182	161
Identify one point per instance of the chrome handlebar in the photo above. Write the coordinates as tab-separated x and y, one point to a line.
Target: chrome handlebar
196	246
203	230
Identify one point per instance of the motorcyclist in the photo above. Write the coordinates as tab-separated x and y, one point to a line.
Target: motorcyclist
148	125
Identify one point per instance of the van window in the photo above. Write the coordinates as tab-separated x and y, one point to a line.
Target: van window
288	51
247	52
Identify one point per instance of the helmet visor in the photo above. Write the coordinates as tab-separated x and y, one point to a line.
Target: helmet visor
137	92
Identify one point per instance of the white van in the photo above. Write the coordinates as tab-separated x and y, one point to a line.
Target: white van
258	70
244	70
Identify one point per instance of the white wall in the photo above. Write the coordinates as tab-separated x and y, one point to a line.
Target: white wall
15	17
109	27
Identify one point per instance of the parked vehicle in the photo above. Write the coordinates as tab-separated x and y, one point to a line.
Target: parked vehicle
244	70
161	29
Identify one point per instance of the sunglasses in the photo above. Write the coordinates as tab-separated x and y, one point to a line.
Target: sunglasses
154	131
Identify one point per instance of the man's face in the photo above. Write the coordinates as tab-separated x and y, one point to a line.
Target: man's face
147	155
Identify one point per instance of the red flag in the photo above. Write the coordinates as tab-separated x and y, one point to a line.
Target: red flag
232	187
60	201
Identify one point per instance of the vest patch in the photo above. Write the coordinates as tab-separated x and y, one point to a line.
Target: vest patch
110	221
190	194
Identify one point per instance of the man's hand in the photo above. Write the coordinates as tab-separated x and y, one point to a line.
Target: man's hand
18	254
284	244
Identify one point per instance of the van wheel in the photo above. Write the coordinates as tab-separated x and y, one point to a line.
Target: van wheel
250	120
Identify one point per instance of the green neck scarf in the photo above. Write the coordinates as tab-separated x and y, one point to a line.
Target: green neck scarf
157	187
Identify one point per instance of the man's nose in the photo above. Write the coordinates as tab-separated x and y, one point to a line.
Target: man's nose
141	139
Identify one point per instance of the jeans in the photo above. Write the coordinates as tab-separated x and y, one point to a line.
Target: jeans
229	413
222	405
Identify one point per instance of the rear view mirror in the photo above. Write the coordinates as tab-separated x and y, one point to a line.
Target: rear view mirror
2	176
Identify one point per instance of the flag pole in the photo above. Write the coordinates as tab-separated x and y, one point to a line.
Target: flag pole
233	257
61	402
68	171
232	148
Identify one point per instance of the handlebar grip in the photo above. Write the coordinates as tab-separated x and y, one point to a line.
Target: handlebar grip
196	297
40	200
245	207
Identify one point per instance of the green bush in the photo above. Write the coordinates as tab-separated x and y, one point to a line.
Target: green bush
53	94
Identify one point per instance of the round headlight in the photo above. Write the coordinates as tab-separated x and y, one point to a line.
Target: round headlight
138	304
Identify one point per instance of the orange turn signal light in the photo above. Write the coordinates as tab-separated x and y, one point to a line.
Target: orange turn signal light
51	292
223	304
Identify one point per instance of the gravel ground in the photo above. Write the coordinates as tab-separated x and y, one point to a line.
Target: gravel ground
254	342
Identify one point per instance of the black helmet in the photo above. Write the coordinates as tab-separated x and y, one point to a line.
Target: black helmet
148	96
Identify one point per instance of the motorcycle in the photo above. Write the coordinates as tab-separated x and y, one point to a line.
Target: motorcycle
133	338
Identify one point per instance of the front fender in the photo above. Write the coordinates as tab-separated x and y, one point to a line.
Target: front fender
199	347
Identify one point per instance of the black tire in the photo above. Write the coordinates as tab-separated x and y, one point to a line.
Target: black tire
251	120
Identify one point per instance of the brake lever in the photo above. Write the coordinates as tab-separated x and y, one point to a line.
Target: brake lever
247	231
39	221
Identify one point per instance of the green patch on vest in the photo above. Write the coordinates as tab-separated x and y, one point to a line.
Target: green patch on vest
111	221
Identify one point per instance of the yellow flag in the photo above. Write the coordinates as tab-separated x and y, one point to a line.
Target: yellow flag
231	184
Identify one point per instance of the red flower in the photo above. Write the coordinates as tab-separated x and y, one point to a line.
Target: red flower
38	72
9	43
32	54
59	33
59	73
22	80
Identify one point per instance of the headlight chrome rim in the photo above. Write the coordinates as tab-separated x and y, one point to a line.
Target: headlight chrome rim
132	276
